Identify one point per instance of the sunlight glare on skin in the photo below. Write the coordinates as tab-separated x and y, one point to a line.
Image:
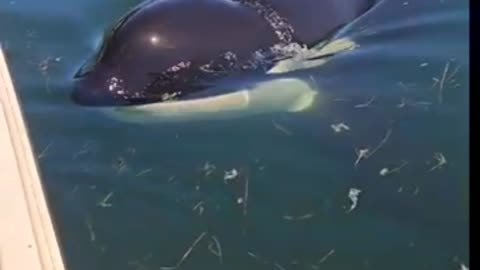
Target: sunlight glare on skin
157	40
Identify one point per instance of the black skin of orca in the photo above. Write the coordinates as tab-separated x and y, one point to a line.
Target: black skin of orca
134	64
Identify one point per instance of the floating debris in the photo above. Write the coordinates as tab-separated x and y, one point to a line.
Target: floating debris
278	266
281	128
384	140
353	194
340	127
341	100
88	222
251	254
74	190
199	207
441	161
245	196
171	178
186	254
404	86
450	78
45	151
384	171
302	217
387	171
400	189
442	83
463	267
361	154
425	64
131	151
366	153
402	103
445	79
144	172
208	168
365	105
85	150
258	258
44	65
229	175
324	258
103	203
137	264
217	250
422	103
265	261
120	165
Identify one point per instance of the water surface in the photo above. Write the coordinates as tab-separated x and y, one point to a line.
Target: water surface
164	183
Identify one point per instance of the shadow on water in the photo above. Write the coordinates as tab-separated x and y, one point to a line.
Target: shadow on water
137	196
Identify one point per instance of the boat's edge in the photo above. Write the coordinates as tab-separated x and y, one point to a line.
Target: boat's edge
28	238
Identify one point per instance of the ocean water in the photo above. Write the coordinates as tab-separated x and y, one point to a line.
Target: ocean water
139	196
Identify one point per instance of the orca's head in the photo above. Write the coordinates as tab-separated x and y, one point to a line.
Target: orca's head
168	50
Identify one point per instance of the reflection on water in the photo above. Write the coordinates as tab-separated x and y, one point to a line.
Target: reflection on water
374	177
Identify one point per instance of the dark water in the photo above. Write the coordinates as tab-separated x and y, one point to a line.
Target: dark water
299	171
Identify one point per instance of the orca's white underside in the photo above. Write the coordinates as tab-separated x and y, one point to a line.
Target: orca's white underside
275	95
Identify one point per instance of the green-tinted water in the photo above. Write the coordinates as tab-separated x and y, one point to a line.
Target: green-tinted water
164	184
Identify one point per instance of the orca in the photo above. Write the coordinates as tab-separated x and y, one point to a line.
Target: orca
196	59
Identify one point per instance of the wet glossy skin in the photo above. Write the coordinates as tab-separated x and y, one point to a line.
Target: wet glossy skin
168	49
